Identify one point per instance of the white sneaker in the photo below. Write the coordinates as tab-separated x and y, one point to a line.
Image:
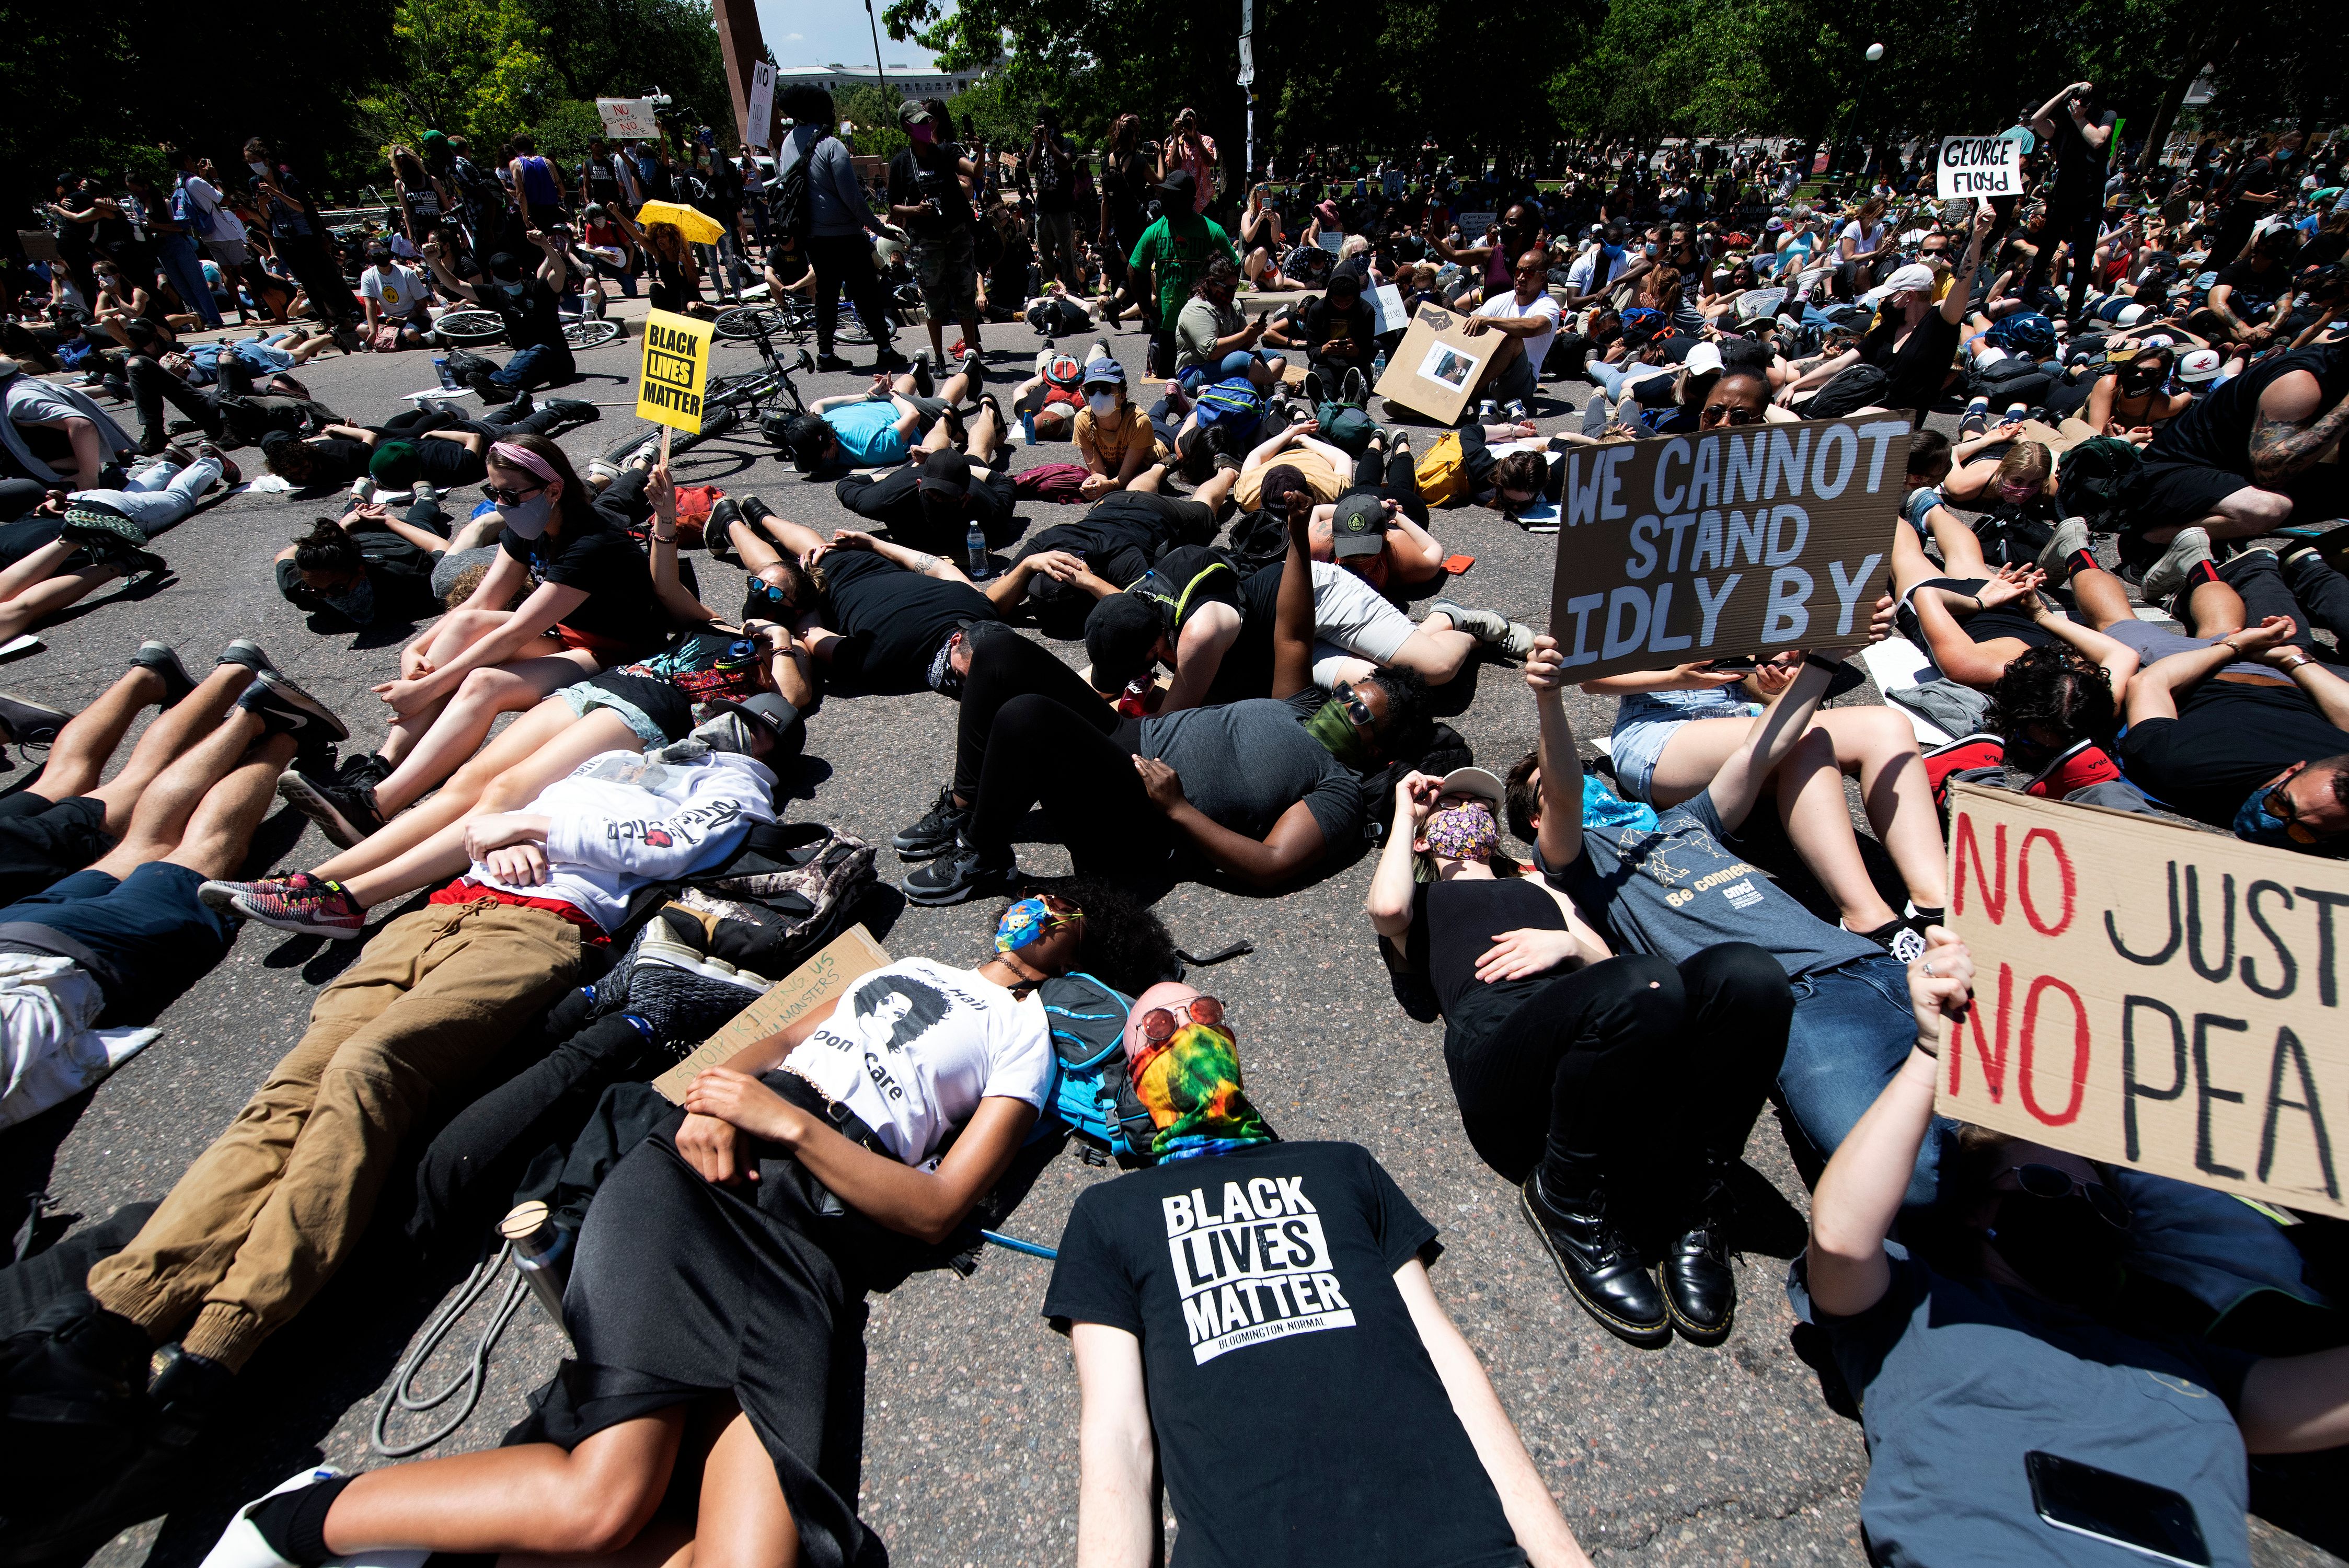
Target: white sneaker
241	1545
2167	575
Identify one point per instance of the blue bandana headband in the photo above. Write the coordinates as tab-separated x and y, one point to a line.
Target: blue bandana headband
1602	807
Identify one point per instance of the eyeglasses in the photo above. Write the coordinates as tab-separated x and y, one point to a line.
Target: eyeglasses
1350	699
504	497
2285	809
1158	1025
2053	1181
1724	413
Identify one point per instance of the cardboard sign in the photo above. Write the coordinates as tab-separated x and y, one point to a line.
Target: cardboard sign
2150	995
843	961
1437	367
1981	166
1386	309
676	369
1473	224
758	121
629	119
1745	540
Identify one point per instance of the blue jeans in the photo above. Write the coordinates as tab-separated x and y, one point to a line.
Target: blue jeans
148	931
526	369
177	255
1851	1031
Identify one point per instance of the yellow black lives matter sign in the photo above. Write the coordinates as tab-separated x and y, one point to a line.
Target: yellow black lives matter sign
676	370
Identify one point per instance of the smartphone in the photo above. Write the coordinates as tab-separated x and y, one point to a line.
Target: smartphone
1456	564
2116	1509
1736	664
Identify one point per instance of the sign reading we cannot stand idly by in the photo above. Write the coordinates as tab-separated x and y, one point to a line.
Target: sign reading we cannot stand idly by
2149	996
1747	539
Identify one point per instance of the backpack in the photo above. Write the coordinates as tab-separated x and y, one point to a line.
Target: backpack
1347	428
1232	401
2099	480
1443	473
1200	561
794	198
784	894
1093	1095
1855	386
189	213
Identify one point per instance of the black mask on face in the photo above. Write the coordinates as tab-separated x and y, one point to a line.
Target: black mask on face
2061	1248
2141	380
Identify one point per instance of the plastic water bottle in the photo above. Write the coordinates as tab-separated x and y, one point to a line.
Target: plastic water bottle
1377	366
975	546
448	377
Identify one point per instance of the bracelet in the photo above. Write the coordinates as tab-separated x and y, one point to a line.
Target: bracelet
665	538
2303	659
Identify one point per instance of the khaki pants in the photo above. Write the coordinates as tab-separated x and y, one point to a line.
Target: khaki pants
268	1213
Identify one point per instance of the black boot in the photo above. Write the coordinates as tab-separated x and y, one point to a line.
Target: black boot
1600	1266
73	1391
1699	1284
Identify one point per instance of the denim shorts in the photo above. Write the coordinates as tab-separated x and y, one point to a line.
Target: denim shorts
1646	721
147	931
585	696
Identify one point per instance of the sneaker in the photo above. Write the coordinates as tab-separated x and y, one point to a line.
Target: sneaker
159	657
973	367
2070	538
936	833
246	652
1975	419
1354	391
290	710
484	388
1316	394
2078	765
242	1545
718	533
345	813
366	768
1599	1267
889	362
685	1002
1490	627
960	877
229	473
2167	575
299	902
102	530
2017	412
1980	750
925	384
188	1390
573	411
30	722
1700	1289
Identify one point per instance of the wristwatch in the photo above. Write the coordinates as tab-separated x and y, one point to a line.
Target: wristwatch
1830	665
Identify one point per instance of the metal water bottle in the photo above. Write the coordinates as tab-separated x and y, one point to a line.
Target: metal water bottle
541	1254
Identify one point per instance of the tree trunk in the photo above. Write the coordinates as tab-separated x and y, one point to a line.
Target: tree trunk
2173	96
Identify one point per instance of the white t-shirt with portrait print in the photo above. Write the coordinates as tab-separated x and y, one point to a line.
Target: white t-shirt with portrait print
915	1045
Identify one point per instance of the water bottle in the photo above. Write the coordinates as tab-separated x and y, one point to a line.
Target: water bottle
975	546
1027	425
448	377
541	1254
1377	366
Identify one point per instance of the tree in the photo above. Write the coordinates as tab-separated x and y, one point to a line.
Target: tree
478	69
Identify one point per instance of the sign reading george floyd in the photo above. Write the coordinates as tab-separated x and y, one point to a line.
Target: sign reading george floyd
2151	997
1747	539
1978	166
676	369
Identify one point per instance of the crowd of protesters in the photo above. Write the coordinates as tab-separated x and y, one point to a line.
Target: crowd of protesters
2142	353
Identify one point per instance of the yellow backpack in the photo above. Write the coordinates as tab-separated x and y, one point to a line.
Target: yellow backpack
1443	472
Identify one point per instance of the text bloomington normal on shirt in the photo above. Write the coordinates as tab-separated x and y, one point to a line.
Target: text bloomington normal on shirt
1253	1268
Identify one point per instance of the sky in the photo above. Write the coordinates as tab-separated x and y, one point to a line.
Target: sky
830	31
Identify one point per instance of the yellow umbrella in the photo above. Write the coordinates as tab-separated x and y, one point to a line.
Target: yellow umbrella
698	228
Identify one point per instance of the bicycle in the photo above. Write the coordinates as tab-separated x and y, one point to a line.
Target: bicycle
789	316
476	328
729	401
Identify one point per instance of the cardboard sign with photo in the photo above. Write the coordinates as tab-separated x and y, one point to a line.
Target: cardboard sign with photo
2149	996
1752	539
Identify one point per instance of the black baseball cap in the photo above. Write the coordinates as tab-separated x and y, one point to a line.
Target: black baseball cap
772	713
945	473
1120	636
1360	527
1180	187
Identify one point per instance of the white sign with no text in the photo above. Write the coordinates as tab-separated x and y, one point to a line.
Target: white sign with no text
1978	166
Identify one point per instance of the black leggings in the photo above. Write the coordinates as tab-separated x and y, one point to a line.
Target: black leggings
2312	593
1624	1070
1005	666
845	261
1395	477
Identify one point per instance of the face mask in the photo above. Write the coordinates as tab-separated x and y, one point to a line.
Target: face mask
924	134
2254	823
529	517
724	732
1102	403
2061	1248
1338	736
355	604
764	602
1649	249
1462	832
258	167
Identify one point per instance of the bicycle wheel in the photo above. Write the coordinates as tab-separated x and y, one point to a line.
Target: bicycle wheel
467	327
851	328
747	320
590	333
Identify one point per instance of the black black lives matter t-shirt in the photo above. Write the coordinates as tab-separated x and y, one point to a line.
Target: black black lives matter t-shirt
1299	1420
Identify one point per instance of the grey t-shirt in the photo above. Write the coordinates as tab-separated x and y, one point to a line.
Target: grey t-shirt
2151	641
1244	763
1673	891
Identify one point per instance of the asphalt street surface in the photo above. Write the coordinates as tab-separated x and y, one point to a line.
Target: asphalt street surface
1672	1455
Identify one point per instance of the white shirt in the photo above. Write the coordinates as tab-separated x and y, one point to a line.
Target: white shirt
1507	308
914	1047
1580	276
1862	241
400	292
48	1051
226	227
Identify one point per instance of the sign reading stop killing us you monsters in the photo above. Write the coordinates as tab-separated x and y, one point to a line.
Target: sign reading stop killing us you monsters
1978	166
1751	539
2151	997
676	370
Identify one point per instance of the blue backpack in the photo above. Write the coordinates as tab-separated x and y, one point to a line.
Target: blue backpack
189	213
1092	1094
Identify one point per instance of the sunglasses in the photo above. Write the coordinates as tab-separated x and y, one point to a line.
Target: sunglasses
2280	806
1720	413
1158	1025
2051	1181
1356	709
505	496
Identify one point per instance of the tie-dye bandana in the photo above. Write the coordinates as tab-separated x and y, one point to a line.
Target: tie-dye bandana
1191	1085
1032	919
